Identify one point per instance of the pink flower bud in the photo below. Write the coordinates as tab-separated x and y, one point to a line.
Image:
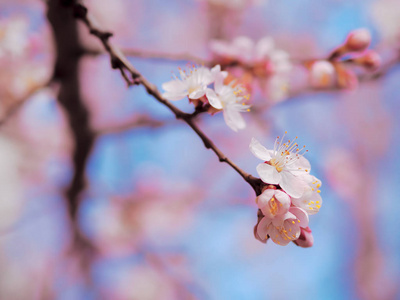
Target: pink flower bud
371	59
322	74
358	40
305	239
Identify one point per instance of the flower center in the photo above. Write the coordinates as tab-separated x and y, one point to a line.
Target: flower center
193	89
273	206
276	164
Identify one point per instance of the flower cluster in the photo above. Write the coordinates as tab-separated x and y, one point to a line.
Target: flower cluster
23	66
260	60
290	193
195	83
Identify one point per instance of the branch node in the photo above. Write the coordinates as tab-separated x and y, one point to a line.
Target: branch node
79	11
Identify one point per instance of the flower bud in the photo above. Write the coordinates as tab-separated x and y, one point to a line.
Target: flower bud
371	60
322	74
305	239
358	40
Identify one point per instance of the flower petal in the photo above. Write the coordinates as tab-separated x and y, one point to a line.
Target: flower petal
234	119
284	199
259	150
277	236
213	99
292	185
262	227
197	93
301	216
174	96
219	82
268	173
311	202
174	86
301	166
265	196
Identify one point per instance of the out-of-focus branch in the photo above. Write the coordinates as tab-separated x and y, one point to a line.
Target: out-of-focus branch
184	57
136	122
66	73
148	54
18	103
120	62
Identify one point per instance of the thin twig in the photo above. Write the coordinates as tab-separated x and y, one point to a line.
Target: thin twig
165	56
17	104
136	122
120	62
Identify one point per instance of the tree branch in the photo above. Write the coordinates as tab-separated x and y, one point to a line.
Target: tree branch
120	62
66	71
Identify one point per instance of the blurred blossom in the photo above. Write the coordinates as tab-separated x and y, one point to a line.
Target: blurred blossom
11	185
344	173
322	74
258	62
14	39
147	216
144	282
23	66
386	14
234	4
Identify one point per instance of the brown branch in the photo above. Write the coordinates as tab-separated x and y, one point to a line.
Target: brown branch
120	62
66	72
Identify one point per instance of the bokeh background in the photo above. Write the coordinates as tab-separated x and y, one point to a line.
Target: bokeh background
159	217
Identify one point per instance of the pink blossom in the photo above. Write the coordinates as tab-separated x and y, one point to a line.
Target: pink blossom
282	229
273	203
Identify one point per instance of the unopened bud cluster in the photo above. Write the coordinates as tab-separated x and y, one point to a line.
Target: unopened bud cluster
354	51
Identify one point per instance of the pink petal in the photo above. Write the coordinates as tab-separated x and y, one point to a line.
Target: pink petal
277	237
263	199
284	199
262	227
301	215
